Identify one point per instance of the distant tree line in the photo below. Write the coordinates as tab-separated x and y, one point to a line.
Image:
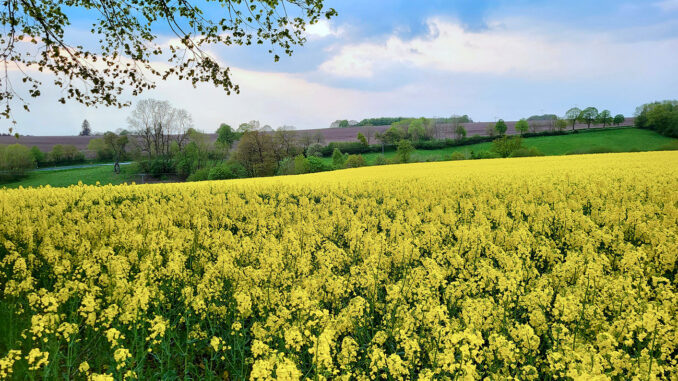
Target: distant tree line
591	115
17	159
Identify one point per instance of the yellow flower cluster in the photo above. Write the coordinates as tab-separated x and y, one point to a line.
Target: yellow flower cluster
534	268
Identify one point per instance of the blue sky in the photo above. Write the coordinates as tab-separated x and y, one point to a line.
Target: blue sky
488	59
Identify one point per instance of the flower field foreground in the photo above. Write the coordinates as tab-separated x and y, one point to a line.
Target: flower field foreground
535	268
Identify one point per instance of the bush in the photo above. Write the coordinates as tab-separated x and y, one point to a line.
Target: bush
432	144
184	167
527	152
506	145
316	164
301	165
221	172
199	175
15	161
65	154
285	167
355	161
238	170
338	158
456	156
38	155
157	167
404	152
352	148
98	146
315	149
485	155
380	160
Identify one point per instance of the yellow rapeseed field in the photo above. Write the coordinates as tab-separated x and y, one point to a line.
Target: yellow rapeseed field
535	268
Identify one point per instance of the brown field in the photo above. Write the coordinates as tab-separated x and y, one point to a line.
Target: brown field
45	143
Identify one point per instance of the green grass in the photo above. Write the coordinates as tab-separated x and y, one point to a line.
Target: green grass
63	178
614	139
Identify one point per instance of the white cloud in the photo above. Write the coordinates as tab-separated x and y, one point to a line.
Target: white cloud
507	47
322	29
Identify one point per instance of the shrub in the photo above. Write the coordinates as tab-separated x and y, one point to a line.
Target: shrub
338	158
355	161
380	160
315	149
38	155
404	152
456	156
15	161
286	167
506	145
352	148
362	139
527	152
316	164
184	167
301	165
199	175
221	172
157	167
485	155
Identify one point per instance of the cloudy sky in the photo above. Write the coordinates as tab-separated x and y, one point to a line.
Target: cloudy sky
488	59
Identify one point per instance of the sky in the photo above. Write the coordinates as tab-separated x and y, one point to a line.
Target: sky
435	58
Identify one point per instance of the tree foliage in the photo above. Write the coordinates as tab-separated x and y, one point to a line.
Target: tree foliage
506	145
362	139
355	161
618	119
338	158
659	116
36	37
225	135
86	130
383	121
404	151
459	132
500	127
588	116
604	118
15	161
522	126
573	115
116	144
416	130
255	153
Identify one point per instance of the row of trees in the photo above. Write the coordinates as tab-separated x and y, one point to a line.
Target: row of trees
17	159
421	129
591	115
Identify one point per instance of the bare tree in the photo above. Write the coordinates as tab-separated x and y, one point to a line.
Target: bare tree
319	138
306	139
285	141
369	134
157	125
